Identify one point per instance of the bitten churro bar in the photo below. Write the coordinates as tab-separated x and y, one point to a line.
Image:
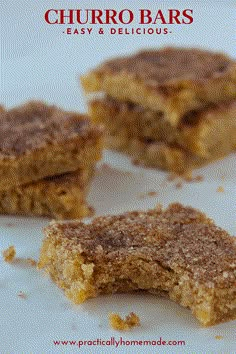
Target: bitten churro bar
178	252
201	137
171	80
38	140
58	197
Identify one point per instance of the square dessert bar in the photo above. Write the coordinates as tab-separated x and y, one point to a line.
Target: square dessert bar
171	80
38	140
202	136
178	252
172	108
58	197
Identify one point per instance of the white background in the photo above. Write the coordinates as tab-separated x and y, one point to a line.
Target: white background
39	61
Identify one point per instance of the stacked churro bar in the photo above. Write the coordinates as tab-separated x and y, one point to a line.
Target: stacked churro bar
172	108
47	159
178	252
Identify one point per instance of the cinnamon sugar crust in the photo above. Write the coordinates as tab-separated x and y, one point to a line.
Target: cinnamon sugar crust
9	254
178	251
39	140
119	324
36	125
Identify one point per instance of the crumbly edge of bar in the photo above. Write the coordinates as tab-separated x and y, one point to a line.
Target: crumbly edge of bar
181	98
216	126
55	160
61	197
168	65
83	276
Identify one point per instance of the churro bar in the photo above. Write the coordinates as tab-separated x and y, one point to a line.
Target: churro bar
178	252
172	81
201	137
119	324
58	197
39	140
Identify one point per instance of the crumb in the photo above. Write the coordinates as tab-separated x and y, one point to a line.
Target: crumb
164	183
31	261
218	337
198	178
171	177
136	162
223	177
188	177
91	211
179	185
152	193
116	322
148	194
22	295
9	254
220	189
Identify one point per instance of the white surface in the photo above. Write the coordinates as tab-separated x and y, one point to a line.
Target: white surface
40	62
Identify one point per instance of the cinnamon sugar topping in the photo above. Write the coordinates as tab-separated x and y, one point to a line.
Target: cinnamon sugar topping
22	295
161	67
179	237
